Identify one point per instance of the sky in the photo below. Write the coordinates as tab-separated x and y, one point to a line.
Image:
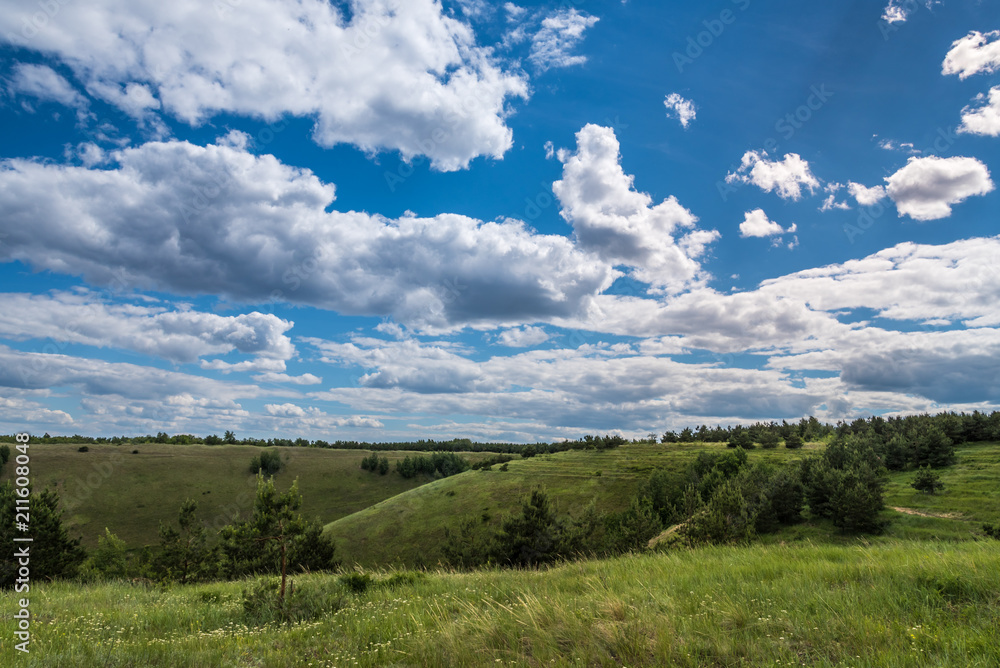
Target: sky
387	220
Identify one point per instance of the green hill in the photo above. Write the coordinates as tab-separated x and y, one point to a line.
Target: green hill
408	529
130	494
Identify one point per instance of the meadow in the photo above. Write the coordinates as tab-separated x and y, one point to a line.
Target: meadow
892	605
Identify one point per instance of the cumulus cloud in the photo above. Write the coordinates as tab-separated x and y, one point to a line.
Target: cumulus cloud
898	11
679	108
866	196
45	84
756	224
926	188
620	224
304	379
522	337
553	45
786	176
219	220
401	76
984	119
179	336
972	54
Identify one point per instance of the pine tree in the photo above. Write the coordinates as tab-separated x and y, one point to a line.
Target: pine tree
276	538
184	554
53	553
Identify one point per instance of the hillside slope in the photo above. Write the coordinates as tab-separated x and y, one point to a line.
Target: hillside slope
408	529
130	494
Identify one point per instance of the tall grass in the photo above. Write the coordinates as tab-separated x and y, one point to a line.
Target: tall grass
893	604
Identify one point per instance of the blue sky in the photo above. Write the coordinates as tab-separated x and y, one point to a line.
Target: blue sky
383	220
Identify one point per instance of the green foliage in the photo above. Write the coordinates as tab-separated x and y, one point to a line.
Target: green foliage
740	438
109	560
992	531
632	529
768	439
726	518
531	538
933	448
927	481
376	464
53	553
438	465
276	538
4	455
83	448
185	555
267	462
262	603
794	441
846	484
356	581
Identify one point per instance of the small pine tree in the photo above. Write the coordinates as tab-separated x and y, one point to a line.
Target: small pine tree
383	466
927	481
793	441
109	560
184	554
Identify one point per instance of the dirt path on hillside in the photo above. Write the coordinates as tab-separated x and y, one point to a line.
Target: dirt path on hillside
943	516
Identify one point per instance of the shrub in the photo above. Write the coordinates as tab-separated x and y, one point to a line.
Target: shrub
992	531
267	462
793	441
356	582
262	604
83	448
927	481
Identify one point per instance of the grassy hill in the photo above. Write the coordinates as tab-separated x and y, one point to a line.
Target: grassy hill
408	529
130	494
899	604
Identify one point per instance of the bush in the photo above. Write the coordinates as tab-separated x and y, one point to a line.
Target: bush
109	560
727	518
267	462
927	481
263	605
83	448
794	441
356	582
992	531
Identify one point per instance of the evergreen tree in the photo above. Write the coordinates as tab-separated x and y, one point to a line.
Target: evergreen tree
52	552
110	559
533	537
927	481
276	539
185	555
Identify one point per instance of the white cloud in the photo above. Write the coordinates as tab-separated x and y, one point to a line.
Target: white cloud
523	337
984	120
866	196
179	336
684	110
892	145
972	54
45	84
787	176
926	188
552	46
399	75
831	203
756	224
304	379
620	224
219	220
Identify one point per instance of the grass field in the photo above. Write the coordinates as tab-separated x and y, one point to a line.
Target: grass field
130	494
893	605
407	530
